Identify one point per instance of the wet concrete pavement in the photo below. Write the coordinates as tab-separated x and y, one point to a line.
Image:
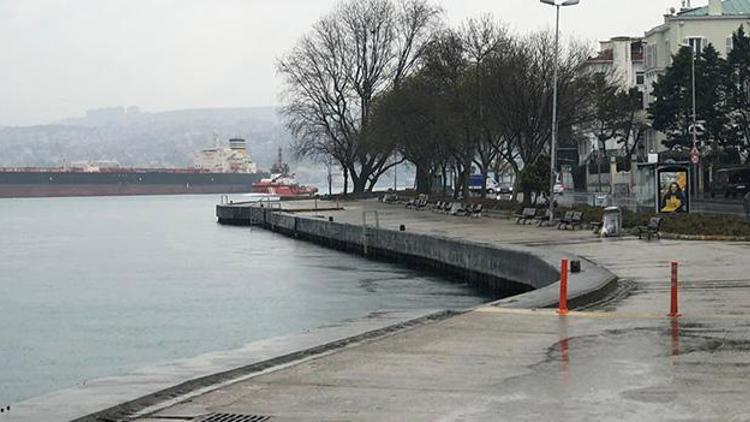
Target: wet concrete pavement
623	360
495	364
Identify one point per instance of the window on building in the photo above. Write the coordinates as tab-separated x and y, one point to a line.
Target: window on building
650	56
730	44
641	98
696	43
639	78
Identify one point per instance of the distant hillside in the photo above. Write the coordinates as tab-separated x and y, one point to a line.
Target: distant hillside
163	139
143	139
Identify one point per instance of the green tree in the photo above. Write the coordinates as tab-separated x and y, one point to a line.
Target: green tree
672	110
534	180
711	71
672	107
737	141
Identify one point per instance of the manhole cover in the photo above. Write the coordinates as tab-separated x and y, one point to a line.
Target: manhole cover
232	417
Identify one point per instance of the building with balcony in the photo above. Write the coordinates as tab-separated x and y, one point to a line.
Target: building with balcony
621	60
695	26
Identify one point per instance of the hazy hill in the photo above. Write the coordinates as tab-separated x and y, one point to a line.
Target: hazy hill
163	139
142	139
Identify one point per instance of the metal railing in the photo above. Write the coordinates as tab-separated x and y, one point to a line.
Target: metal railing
364	228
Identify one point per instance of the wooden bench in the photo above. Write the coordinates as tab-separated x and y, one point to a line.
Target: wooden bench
566	218
461	209
476	212
653	228
571	220
526	216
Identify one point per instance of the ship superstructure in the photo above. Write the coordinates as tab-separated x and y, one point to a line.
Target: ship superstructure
234	159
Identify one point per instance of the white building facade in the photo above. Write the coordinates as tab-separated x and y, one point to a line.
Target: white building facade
695	26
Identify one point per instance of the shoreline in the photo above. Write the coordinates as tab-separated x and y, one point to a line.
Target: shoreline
180	379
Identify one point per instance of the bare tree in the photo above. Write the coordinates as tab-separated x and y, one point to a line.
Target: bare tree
521	95
334	73
483	38
421	115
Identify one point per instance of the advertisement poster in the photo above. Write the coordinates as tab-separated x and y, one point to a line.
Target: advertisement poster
674	192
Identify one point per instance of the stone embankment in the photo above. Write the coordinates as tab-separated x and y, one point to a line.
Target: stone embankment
526	277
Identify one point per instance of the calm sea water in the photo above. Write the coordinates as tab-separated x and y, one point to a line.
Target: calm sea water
92	287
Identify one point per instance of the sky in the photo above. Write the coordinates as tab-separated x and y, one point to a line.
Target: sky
59	58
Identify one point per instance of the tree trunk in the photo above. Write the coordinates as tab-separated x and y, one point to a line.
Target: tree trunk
445	181
358	184
485	173
516	184
424	180
346	181
465	181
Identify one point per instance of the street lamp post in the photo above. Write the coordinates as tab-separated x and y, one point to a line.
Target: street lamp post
693	53
395	175
553	143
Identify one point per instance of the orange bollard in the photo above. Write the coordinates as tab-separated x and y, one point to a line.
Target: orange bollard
563	288
673	310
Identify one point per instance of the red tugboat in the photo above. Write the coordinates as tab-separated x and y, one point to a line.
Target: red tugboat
282	184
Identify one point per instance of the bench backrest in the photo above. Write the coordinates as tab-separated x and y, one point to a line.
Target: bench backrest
577	216
568	215
529	212
654	223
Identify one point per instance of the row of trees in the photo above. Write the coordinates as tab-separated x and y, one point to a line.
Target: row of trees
379	79
722	100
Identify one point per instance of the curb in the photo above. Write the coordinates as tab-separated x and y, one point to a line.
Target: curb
711	238
129	409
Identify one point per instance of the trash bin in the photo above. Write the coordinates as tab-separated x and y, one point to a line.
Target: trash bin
612	222
601	200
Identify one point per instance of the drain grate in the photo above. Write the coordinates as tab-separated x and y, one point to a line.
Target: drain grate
232	417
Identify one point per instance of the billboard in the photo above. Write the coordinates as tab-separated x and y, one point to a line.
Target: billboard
674	190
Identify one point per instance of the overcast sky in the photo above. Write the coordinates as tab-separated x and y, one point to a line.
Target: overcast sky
61	57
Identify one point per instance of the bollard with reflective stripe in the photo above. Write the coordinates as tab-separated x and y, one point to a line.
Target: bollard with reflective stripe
563	310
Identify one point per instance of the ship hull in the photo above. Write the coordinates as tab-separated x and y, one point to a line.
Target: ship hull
55	184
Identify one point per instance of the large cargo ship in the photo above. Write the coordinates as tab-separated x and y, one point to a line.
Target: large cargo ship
216	170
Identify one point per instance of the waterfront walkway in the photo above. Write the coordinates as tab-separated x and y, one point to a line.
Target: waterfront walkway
622	360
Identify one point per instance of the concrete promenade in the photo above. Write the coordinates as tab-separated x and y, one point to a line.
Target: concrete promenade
620	360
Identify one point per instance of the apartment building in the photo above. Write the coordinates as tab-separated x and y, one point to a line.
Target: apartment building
694	26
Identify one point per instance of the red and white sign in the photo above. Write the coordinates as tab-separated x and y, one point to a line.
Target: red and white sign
695	156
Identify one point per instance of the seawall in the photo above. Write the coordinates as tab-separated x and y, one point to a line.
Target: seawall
527	277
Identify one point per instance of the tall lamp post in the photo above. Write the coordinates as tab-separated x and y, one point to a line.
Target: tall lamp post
693	53
553	147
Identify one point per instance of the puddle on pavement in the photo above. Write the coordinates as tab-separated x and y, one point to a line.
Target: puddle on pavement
651	364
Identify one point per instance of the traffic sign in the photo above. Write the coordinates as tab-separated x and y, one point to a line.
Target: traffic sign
695	156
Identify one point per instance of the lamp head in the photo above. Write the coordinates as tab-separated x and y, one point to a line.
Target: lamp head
561	2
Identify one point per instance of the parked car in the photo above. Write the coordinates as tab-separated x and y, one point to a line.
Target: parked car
732	182
505	188
559	189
